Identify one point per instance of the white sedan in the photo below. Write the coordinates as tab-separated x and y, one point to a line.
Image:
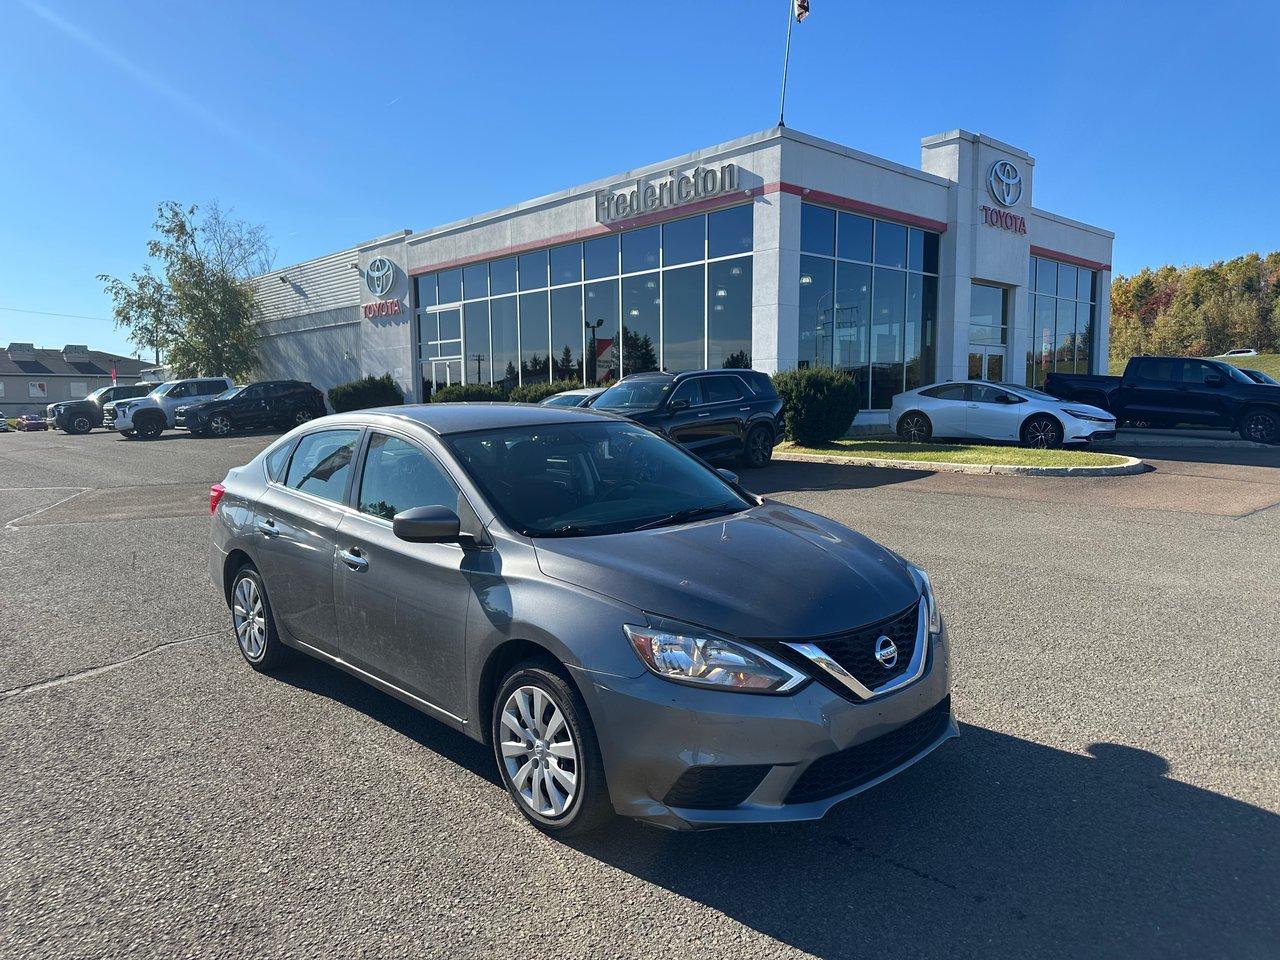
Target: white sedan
997	411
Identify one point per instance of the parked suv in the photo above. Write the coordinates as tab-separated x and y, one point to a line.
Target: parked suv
269	403
81	416
148	416
713	413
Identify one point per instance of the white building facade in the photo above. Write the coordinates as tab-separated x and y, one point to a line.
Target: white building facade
778	250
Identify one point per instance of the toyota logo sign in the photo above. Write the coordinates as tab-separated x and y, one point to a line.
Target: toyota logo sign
380	276
1005	183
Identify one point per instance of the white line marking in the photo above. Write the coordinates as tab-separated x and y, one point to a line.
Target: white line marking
35	513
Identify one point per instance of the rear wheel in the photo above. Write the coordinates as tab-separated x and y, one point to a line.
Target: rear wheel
759	447
1260	426
915	427
547	752
1042	432
251	618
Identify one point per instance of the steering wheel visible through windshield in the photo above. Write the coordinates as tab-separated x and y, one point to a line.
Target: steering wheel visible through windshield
585	479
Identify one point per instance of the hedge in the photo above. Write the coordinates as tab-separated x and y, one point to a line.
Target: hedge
467	392
818	405
361	394
537	392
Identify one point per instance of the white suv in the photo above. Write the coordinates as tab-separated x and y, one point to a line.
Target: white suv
148	416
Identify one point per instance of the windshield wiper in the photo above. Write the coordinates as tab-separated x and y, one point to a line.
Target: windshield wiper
688	515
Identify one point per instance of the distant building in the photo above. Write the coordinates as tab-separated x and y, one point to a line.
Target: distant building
32	377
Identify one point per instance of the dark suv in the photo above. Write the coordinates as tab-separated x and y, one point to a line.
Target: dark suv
713	413
268	403
81	416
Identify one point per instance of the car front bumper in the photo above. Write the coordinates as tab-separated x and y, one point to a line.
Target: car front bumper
758	759
118	421
1085	431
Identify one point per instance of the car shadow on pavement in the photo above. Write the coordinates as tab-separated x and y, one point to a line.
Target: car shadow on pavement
795	475
994	846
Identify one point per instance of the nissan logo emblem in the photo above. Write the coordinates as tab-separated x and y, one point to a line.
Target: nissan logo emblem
886	652
1005	183
380	276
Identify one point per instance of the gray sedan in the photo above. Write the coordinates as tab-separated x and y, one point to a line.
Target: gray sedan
629	629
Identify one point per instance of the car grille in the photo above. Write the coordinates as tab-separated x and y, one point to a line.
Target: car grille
715	787
108	416
845	770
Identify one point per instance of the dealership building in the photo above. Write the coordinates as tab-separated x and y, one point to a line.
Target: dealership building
776	251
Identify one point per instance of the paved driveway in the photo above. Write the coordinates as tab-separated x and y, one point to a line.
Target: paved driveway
1114	790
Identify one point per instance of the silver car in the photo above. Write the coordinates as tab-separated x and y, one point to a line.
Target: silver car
629	629
976	409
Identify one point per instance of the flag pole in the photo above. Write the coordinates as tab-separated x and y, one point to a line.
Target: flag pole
786	60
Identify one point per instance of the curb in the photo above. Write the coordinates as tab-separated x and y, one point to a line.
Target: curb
1131	466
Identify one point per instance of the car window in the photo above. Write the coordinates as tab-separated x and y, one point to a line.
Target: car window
1195	372
690	392
985	393
634	395
209	388
277	459
321	463
563	400
254	391
587	479
1158	368
178	391
398	476
948	391
721	389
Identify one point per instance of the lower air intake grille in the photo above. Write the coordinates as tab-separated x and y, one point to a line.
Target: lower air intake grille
837	772
715	788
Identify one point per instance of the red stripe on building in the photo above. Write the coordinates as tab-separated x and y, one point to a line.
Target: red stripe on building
1068	258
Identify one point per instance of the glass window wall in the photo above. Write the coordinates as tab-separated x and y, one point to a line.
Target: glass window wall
1064	316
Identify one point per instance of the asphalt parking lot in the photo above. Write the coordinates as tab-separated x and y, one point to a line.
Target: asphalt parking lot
1115	790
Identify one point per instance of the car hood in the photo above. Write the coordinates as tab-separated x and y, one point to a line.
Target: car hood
204	406
1083	408
771	571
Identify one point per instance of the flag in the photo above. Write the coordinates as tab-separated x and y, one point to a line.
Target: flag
801	9
113	376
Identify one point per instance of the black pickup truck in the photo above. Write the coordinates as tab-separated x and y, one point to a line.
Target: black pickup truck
1167	391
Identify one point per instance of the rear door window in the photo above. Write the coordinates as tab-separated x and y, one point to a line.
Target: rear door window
721	389
321	463
1158	368
948	391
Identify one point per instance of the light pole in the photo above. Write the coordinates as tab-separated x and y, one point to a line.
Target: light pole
478	358
591	357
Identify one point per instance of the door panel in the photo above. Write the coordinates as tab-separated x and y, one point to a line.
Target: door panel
1151	393
989	418
402	606
728	406
947	414
690	427
1204	402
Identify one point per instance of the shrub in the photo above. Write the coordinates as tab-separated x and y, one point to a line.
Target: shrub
466	392
817	405
361	394
537	392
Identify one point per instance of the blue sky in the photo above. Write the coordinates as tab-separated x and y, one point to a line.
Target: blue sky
336	122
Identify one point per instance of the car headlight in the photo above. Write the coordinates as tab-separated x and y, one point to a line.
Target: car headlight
1081	415
930	601
686	654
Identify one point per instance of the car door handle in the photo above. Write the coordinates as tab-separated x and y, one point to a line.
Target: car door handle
704	415
268	528
972	406
353	559
741	409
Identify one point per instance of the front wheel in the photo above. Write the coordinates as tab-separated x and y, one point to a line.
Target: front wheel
302	416
79	424
220	425
150	428
758	450
1260	426
1042	433
127	434
547	752
915	427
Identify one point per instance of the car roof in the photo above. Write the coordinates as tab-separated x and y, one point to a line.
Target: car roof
446	418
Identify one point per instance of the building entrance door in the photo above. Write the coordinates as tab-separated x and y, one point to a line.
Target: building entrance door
986	363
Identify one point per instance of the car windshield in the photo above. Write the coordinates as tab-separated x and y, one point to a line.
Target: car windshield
588	479
228	394
633	395
98	394
1259	377
563	400
1029	392
1236	374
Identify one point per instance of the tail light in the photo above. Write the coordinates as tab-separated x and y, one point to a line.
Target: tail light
215	496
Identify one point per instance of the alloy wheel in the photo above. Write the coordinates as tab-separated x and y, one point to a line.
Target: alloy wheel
249	618
220	425
914	429
81	424
1261	428
1042	434
302	416
539	753
759	448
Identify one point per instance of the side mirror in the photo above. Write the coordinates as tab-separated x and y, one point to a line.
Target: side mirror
728	475
434	524
678	405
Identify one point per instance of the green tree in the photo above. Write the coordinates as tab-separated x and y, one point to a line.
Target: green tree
198	315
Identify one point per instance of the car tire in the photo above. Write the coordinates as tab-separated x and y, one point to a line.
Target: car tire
149	428
128	434
532	749
78	424
915	427
252	621
301	416
220	425
1260	426
1042	432
758	450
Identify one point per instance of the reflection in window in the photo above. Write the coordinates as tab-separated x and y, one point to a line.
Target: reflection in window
475	281
852	324
684	241
533	270
566	264
854	240
602	332
475	367
450	285
1062	319
566	333
816	290
640	249
600	257
729	313
729	231
502	276
684	327
321	463
817	230
640	335
534	343
506	348
888	315
397	476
